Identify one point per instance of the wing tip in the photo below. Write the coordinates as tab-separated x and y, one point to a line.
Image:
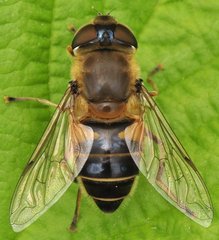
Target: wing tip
17	228
206	223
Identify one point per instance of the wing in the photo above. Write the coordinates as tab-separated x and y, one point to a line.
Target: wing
162	159
57	160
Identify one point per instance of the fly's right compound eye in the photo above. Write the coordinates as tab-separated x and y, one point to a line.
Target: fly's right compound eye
125	36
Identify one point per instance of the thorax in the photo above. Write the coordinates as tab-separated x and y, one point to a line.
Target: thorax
106	80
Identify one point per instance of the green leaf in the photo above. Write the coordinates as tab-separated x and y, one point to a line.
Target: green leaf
182	35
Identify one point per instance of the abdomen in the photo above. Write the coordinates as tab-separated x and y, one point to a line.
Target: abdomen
110	171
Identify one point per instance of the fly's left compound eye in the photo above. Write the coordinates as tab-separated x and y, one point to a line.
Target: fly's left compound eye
85	35
124	35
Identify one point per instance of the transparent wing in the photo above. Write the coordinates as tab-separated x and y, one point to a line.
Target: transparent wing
162	159
57	160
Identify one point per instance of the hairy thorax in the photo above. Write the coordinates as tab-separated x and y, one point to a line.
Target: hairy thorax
106	80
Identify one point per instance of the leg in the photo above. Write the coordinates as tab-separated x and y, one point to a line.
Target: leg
71	28
73	225
151	82
8	99
70	50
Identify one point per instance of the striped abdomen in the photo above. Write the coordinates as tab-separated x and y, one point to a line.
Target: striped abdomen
109	172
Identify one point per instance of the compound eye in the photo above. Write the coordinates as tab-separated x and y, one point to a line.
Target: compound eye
85	35
124	35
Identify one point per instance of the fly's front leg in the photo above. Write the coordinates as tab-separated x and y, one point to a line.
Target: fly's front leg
149	80
8	99
72	29
70	50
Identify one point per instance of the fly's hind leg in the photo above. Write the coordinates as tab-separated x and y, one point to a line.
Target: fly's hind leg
8	99
149	80
73	226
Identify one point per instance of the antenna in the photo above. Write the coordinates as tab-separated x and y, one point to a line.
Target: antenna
111	11
97	12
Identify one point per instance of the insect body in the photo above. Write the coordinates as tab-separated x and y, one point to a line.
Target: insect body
107	82
105	130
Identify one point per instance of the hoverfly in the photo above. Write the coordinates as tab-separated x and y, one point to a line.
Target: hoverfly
105	130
